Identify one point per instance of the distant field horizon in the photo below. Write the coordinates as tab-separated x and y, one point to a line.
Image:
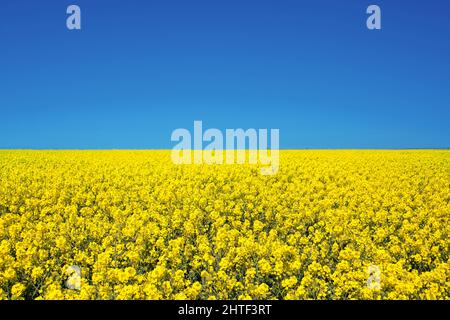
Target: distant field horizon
168	149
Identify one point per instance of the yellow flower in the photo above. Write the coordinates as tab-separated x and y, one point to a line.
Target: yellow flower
289	283
347	224
17	290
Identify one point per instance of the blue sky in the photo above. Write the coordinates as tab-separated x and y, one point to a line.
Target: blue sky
138	70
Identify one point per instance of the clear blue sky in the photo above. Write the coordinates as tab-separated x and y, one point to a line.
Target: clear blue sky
139	69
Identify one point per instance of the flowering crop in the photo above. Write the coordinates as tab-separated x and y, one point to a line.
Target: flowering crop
328	225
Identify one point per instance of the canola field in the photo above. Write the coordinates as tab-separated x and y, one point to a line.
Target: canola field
329	225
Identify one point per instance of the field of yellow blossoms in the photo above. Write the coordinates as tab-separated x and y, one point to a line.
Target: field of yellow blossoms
330	225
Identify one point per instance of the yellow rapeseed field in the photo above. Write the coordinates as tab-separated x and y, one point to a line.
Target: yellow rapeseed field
330	225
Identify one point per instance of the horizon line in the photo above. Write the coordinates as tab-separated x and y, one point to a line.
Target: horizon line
169	149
